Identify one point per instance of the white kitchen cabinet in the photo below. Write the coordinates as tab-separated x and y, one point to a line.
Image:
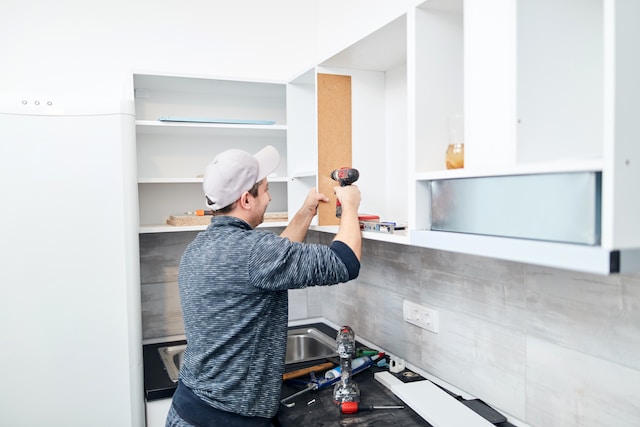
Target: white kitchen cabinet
545	88
172	155
377	66
535	102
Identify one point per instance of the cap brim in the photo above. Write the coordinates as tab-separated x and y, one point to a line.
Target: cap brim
268	159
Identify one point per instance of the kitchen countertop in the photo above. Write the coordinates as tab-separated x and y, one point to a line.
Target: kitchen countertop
315	408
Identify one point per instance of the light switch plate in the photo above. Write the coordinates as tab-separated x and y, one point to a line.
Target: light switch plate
421	316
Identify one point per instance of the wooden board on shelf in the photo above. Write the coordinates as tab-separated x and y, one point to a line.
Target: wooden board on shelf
182	220
188	220
334	137
276	217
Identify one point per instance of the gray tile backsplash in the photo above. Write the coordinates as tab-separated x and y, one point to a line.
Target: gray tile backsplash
550	347
159	258
570	388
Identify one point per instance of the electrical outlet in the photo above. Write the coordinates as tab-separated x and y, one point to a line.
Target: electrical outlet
421	316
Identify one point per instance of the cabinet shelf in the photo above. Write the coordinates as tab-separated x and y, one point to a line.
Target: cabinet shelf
169	180
273	179
399	237
522	169
156	127
165	228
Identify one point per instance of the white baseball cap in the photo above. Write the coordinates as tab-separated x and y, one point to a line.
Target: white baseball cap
234	171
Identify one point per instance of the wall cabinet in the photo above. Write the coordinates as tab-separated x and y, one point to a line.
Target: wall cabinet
534	102
377	66
183	122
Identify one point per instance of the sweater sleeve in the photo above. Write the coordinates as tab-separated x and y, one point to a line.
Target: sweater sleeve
347	256
279	264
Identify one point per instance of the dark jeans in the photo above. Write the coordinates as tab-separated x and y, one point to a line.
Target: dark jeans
187	410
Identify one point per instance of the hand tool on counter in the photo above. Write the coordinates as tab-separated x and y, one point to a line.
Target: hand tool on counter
304	371
344	176
287	401
361	351
353	407
336	372
318	383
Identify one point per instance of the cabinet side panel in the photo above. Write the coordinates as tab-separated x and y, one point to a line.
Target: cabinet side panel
334	137
623	133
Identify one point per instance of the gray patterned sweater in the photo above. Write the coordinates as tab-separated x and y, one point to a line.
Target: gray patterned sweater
233	284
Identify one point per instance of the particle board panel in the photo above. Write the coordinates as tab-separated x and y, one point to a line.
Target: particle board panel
432	403
334	137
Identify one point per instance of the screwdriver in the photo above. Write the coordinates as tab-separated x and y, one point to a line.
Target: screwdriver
200	212
353	407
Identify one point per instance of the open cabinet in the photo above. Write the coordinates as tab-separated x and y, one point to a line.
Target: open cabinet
547	131
182	123
377	68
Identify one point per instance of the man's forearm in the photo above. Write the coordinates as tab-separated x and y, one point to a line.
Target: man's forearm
349	231
298	226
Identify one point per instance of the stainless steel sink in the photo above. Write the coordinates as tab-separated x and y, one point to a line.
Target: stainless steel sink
303	345
307	344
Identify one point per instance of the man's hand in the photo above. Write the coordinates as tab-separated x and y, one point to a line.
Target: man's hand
349	197
299	224
313	200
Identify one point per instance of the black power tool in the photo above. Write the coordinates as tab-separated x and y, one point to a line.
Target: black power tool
344	176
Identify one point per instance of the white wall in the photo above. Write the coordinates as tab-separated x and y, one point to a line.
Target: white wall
90	49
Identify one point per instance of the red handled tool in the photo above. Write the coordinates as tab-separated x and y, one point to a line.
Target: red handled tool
345	176
353	407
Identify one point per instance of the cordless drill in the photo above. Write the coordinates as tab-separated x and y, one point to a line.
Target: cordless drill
344	176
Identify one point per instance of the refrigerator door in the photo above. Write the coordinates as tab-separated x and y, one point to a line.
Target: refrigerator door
69	238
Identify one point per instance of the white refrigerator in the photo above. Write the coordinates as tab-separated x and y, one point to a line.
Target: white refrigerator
69	282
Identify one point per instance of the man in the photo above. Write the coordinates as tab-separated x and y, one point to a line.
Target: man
233	284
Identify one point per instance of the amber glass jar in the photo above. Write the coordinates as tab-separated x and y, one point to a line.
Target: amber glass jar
455	156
